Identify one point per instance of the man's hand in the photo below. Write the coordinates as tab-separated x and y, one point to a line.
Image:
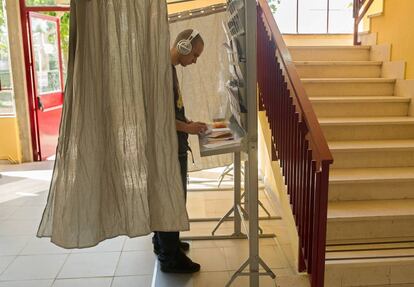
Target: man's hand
195	128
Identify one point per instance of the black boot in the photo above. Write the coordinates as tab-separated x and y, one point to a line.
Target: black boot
180	264
184	246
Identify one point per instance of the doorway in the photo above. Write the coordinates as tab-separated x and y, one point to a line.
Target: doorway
45	59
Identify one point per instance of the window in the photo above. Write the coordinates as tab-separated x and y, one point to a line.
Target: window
340	17
314	16
45	50
286	15
6	91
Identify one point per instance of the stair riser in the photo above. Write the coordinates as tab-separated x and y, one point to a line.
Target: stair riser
368	132
368	230
386	158
373	190
360	109
394	274
349	89
330	55
338	71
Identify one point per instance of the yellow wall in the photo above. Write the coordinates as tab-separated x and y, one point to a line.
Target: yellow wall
185	6
396	27
275	184
10	148
376	8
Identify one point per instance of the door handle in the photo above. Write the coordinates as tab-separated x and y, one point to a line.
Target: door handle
40	104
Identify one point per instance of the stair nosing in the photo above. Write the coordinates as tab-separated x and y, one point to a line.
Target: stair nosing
373	145
360	99
337	63
373	210
350	47
367	121
381	174
347	80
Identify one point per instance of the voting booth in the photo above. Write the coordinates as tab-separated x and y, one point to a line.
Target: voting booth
234	132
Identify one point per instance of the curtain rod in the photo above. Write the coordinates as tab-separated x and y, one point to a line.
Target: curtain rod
195	13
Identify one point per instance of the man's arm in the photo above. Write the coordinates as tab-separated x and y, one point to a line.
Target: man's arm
192	128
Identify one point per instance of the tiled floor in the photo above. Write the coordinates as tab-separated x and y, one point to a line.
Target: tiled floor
27	261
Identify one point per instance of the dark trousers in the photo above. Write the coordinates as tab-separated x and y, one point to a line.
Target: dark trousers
167	243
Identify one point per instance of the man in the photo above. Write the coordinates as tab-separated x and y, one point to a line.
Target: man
170	250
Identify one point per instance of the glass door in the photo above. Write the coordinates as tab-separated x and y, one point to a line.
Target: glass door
47	79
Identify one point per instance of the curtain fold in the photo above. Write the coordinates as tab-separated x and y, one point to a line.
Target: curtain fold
116	170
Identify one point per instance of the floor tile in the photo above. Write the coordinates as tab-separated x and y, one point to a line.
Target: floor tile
264	281
12	245
138	244
109	245
235	257
90	265
28	213
132	281
297	281
170	279
4	179
273	257
17	193
11	201
209	259
34	267
136	263
27	283
18	227
6	211
5	261
83	282
211	279
40	199
42	246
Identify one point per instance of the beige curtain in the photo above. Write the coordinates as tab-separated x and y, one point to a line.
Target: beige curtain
116	170
203	84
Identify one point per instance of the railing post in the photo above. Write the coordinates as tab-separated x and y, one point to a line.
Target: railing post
298	141
320	221
358	16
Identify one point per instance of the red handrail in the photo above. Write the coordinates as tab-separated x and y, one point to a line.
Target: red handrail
361	8
297	142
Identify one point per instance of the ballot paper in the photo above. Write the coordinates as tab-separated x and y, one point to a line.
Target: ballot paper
230	54
226	33
235	25
220	137
234	5
222	143
224	134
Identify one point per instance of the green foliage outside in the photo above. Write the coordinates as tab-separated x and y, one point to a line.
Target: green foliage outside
273	5
64	25
3	33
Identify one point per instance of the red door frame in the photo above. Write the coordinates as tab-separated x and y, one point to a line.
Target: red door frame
29	63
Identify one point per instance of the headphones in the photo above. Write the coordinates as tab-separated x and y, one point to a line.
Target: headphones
184	47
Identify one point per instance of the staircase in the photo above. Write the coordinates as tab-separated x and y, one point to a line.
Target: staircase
370	236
